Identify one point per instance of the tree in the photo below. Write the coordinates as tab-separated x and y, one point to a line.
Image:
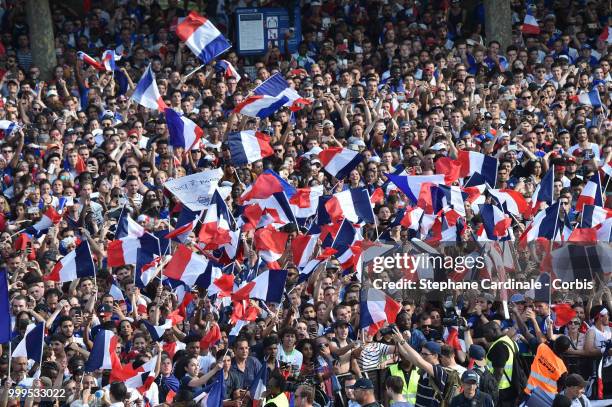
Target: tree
42	40
498	26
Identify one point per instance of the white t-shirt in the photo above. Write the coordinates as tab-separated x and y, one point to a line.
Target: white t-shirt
295	358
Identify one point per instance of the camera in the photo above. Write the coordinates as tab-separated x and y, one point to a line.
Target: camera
388	330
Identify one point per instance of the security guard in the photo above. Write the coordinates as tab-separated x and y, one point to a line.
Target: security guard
548	369
500	358
410	377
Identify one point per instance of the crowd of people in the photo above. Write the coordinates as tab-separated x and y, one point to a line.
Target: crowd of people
410	86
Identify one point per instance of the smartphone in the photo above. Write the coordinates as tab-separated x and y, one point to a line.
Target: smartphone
512	147
32	210
355	93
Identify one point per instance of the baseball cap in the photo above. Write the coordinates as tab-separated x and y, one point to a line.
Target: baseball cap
470	376
517	298
575	380
105	308
328	123
438	146
477	352
433	347
363	384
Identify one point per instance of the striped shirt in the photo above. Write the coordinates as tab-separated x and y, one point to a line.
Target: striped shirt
425	393
372	355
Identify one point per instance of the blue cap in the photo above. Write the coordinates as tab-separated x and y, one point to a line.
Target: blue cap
470	376
517	298
433	347
477	352
363	384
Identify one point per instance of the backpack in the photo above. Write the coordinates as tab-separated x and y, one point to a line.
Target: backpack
518	382
451	389
488	384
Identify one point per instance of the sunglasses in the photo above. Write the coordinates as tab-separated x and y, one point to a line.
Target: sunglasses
575	323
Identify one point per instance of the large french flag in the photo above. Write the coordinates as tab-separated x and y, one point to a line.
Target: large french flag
377	309
258	386
202	37
265	185
48	219
90	61
215	230
31	345
472	162
544	190
249	146
530	24
269	286
591	194
228	69
590	98
103	354
513	201
352	204
544	225
496	223
109	58
270	243
305	201
76	264
593	216
339	162
411	185
127	250
269	97
186	266
183	132
146	92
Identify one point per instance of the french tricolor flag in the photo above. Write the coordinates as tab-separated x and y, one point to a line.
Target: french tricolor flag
48	219
412	185
544	225
593	216
222	286
305	201
544	190
270	243
269	97
258	387
146	92
249	146
90	61
76	264
8	126
202	37
495	222
269	286
377	309
215	230
591	194
303	248
276	208
472	162
513	200
339	162
530	24
109	58
265	185
186	222
228	69
186	266
352	204
31	345
127	227
103	354
606	35
183	132
156	331
412	218
590	98
126	250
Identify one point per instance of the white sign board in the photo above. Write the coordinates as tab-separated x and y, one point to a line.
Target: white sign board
251	32
195	190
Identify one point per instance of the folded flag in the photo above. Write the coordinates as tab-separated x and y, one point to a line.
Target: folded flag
450	168
228	69
146	92
269	286
202	37
104	352
269	97
472	162
495	222
8	126
411	185
183	133
156	331
90	61
270	243
127	227
265	185
563	314
377	309
5	309
302	248
530	24
49	218
109	58
31	345
115	291
339	162
141	382
591	98
76	264
215	230
248	146
411	218
512	200
186	222
304	202
352	204
222	286
591	193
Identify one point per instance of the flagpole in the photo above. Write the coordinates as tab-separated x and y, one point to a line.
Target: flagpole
192	72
